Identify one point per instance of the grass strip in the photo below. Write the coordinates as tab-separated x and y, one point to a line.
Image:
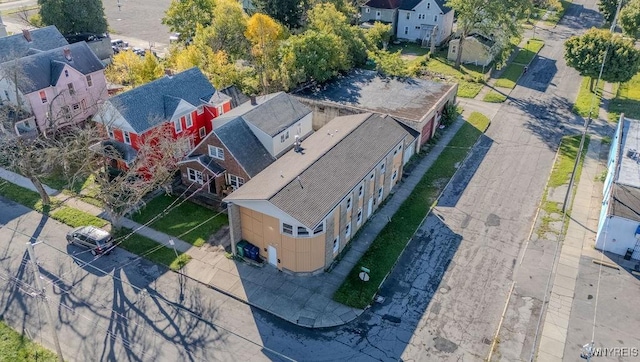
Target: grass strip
386	248
494	97
141	245
585	98
468	89
509	76
182	219
526	54
76	218
627	100
17	347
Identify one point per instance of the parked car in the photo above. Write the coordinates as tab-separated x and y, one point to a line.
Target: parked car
118	45
97	240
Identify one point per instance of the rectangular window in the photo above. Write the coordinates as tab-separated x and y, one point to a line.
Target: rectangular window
203	131
303	231
189	121
235	181
349	203
89	81
453	48
110	133
417	27
359	218
195	176
371	176
43	96
216	152
380	193
66	112
428	5
395	175
178	125
406	30
318	229
287	229
336	244
367	10
284	136
382	168
347	231
127	137
220	111
76	107
200	110
408	15
435	18
360	190
72	90
378	14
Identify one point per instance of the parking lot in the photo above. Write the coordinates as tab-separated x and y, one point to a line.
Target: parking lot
141	19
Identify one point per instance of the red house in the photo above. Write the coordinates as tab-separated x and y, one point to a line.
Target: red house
184	104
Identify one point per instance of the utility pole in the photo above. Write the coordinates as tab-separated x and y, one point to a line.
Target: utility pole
43	294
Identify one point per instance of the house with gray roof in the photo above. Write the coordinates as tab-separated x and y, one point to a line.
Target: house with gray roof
19	45
58	87
185	104
244	141
303	209
424	21
418	103
384	11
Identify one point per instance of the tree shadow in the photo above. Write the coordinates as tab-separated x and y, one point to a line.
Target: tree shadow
539	74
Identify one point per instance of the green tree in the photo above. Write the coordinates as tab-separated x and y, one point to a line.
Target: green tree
74	16
630	18
311	56
226	31
586	52
325	18
130	69
287	12
378	35
215	65
184	15
389	64
265	35
608	8
497	18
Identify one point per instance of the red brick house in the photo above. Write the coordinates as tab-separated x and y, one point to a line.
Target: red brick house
184	104
244	142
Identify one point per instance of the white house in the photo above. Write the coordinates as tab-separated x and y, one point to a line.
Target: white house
619	224
419	20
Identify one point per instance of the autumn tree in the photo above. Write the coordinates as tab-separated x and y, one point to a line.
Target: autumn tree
184	15
74	16
378	35
497	19
630	18
325	18
586	52
265	35
287	12
128	68
226	31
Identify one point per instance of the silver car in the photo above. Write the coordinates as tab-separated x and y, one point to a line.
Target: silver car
97	240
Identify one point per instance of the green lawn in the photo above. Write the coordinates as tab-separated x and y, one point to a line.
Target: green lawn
494	97
16	347
510	75
140	245
75	218
386	248
526	54
627	100
408	48
182	219
468	76
555	16
561	171
469	89
585	99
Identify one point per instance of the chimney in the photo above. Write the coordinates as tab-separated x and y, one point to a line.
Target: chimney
27	35
296	144
67	53
253	101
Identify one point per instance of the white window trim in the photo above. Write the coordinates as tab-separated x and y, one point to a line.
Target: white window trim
127	137
359	217
239	181
110	132
197	176
189	121
200	110
216	152
349	203
178	125
367	10
203	131
285	233
89	80
220	110
361	190
394	176
336	244
347	230
308	234
44	99
380	193
319	229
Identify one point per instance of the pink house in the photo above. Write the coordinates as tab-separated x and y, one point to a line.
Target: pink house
59	87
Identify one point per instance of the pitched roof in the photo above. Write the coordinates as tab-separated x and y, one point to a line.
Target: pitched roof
143	107
237	97
625	202
408	99
308	185
244	146
16	46
383	4
206	162
272	113
43	69
411	4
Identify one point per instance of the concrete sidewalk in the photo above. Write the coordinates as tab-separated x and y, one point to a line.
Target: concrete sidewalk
304	301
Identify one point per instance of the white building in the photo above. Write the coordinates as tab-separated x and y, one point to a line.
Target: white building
619	224
3	28
418	20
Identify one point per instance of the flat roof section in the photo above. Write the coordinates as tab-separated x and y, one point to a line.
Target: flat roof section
629	161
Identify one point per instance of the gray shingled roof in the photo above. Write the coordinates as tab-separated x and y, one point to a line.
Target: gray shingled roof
244	146
273	113
16	46
156	101
410	4
206	162
43	69
383	4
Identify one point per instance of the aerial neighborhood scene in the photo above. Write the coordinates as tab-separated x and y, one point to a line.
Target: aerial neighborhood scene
319	180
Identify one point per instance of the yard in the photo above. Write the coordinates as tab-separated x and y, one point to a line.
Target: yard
526	54
510	75
16	347
389	244
627	100
149	249
188	221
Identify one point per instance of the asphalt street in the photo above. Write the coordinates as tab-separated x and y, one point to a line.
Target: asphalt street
443	301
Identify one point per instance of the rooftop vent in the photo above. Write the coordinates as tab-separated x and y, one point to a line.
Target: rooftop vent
27	35
67	54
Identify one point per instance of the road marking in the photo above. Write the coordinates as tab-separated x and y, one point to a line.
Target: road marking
504	311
